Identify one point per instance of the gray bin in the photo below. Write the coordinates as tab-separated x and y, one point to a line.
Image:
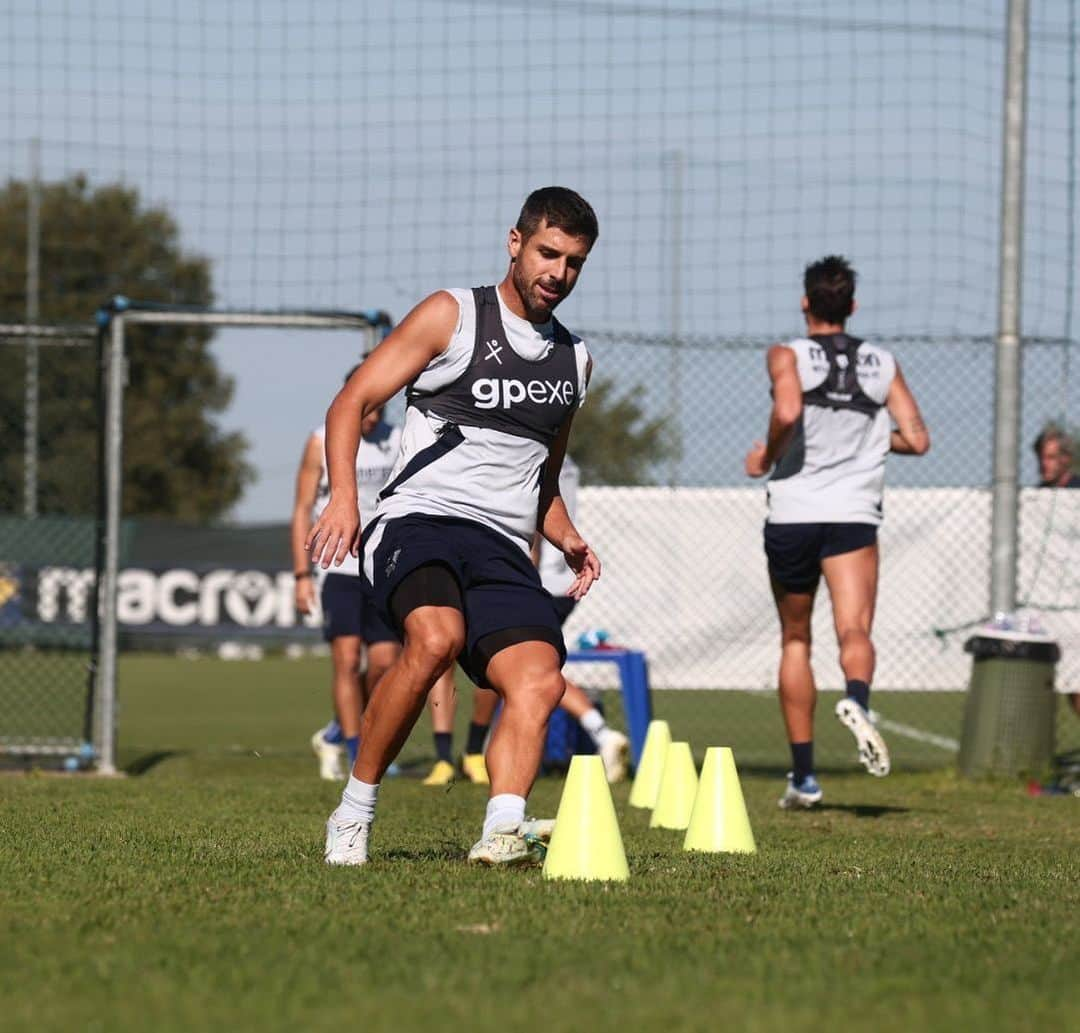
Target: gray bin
1010	706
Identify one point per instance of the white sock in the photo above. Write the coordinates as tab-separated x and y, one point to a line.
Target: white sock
357	802
594	724
503	811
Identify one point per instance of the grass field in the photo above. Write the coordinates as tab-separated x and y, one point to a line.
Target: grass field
191	895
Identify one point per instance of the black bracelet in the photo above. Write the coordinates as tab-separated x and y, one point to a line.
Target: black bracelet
298	574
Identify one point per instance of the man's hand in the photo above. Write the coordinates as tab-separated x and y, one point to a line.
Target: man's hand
336	533
304	595
757	463
583	562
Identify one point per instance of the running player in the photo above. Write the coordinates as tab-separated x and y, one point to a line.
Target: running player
829	434
557	578
350	619
494	381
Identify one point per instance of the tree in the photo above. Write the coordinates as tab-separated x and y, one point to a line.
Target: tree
613	442
96	243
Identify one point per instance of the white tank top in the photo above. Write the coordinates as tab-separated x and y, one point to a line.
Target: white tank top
374	460
491	477
833	470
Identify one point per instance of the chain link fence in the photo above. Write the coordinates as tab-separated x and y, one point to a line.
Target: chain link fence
48	517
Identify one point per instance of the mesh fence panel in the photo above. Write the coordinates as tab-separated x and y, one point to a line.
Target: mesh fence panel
47	544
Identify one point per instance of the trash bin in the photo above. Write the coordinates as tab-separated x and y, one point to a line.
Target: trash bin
1010	706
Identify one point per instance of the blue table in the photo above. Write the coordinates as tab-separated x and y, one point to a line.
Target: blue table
634	676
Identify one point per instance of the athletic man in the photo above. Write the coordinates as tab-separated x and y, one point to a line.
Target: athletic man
557	578
494	381
350	619
829	433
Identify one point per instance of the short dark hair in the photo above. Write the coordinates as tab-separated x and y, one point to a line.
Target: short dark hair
829	285
559	207
1052	432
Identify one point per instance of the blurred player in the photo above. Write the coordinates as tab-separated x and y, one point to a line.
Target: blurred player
556	577
829	434
350	620
494	382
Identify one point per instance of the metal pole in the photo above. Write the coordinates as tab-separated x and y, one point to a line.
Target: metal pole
115	377
676	160
1003	532
33	312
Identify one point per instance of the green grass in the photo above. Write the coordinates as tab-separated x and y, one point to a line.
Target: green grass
192	896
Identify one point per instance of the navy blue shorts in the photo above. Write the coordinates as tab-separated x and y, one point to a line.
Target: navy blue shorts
795	551
564	606
348	608
500	588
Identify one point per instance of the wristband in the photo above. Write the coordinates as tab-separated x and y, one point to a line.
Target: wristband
298	574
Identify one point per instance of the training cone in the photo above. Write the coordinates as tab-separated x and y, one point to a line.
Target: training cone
651	766
678	786
586	843
719	823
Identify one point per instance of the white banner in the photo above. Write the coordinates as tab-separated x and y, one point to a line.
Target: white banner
685	580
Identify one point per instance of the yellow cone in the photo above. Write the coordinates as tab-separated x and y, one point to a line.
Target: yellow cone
719	822
586	843
651	767
678	786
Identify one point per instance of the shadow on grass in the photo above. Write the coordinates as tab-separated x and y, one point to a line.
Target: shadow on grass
444	853
147	761
862	810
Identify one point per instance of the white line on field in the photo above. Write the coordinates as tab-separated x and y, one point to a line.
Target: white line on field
908	732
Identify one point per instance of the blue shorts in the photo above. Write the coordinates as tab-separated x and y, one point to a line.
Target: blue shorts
348	608
795	551
500	588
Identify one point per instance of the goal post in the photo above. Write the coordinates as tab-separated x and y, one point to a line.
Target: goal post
114	320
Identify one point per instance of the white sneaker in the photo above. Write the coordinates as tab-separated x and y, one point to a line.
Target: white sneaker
873	753
508	845
346	841
803	794
615	753
332	766
537	828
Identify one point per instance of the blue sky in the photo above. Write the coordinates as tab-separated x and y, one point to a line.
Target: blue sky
361	155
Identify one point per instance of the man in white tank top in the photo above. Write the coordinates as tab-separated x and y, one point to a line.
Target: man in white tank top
447	549
351	621
836	399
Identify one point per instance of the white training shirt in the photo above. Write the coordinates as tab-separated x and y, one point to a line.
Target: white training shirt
833	470
554	573
493	477
374	461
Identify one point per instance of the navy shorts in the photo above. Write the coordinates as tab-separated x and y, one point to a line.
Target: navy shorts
795	551
348	608
564	606
500	587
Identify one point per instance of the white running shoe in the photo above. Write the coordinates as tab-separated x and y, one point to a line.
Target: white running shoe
873	753
513	845
805	794
332	766
615	753
346	841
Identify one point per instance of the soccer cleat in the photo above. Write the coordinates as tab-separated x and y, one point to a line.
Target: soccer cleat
508	846
805	793
615	753
331	758
441	774
539	829
474	768
346	841
873	753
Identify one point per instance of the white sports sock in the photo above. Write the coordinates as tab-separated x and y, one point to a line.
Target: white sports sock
503	811
357	802
594	724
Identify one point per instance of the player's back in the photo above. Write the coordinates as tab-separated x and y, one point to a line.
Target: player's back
833	469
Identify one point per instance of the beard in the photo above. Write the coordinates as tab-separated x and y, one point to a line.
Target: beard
535	311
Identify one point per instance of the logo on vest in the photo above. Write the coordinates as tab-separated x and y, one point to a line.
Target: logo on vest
490	393
493	348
